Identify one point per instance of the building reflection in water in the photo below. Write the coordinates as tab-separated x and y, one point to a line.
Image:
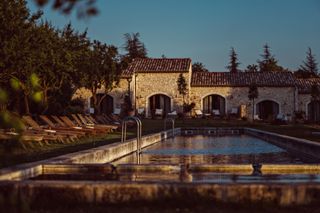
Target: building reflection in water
212	150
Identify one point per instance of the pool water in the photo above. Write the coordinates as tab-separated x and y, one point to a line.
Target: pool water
240	149
194	155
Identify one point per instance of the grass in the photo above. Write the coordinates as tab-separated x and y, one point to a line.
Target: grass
11	155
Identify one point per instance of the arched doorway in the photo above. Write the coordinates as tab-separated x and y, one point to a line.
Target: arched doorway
267	109
159	101
214	102
106	105
314	111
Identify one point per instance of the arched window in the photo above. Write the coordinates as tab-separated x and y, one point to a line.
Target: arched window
106	105
314	111
267	109
214	102
159	101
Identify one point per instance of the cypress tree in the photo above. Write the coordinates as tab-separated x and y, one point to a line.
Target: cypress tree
310	65
233	64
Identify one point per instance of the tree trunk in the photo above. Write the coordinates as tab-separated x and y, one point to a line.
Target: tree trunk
99	103
252	110
45	100
95	100
26	104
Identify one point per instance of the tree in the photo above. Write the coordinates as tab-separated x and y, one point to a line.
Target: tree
253	94
252	68
17	28
100	70
50	60
303	74
310	65
38	59
134	48
83	8
199	67
182	86
233	64
268	62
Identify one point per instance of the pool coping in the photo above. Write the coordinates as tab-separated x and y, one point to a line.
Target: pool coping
110	152
17	190
101	154
65	193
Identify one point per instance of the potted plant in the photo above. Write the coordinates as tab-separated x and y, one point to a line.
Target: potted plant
187	108
127	109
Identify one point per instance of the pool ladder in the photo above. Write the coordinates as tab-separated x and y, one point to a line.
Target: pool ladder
139	133
165	124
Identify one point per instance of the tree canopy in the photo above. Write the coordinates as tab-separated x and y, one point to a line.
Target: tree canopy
268	63
252	68
182	85
233	64
42	62
310	65
199	67
134	48
83	8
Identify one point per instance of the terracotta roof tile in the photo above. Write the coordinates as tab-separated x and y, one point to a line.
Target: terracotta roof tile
304	84
205	79
158	65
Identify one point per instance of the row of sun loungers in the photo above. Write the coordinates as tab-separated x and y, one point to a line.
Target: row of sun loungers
62	129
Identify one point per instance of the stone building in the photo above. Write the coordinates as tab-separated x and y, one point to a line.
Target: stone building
151	84
306	105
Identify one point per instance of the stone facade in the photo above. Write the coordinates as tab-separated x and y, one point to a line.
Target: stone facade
236	96
146	78
117	94
149	84
303	101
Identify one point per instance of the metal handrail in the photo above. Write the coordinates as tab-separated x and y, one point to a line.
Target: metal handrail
165	124
139	133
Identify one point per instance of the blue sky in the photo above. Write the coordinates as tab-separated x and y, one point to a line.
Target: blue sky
205	30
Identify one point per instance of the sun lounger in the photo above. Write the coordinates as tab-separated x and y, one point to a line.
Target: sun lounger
30	135
83	122
256	118
158	113
141	112
64	136
86	119
198	113
172	114
216	113
117	111
58	127
93	120
70	123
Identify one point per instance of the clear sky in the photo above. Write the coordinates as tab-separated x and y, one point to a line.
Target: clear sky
205	30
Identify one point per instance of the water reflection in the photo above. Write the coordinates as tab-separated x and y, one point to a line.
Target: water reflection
185	177
212	150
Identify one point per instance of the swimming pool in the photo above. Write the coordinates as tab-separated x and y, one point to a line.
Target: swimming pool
201	149
211	165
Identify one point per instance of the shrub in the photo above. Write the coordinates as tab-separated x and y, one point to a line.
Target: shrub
188	107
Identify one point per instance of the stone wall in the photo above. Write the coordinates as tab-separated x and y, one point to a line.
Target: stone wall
303	101
117	93
236	96
149	84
